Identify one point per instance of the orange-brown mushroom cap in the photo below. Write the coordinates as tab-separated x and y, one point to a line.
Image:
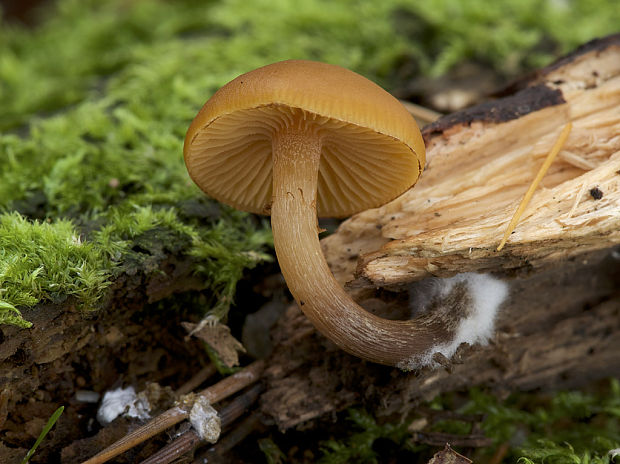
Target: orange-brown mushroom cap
372	150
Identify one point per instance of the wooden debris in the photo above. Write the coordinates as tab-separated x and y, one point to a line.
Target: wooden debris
480	163
218	453
219	338
474	439
213	394
559	330
477	440
197	379
560	326
189	441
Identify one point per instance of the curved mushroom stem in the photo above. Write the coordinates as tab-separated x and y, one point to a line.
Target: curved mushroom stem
296	158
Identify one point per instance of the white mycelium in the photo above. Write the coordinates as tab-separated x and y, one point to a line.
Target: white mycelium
123	401
205	420
479	297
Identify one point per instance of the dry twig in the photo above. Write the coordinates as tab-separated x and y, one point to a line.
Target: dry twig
213	394
197	379
440	439
190	440
216	453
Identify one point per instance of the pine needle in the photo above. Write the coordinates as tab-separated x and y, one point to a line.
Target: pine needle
217	392
541	173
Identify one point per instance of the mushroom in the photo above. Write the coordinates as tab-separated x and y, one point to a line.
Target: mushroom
297	138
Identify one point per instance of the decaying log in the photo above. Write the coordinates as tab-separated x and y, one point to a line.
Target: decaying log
560	325
480	163
559	329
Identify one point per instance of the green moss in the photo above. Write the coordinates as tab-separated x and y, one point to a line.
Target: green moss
511	36
51	260
224	252
200	45
358	447
550	452
550	411
566	427
96	100
271	452
569	427
46	260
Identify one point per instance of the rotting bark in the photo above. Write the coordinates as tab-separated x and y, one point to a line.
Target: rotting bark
558	330
560	327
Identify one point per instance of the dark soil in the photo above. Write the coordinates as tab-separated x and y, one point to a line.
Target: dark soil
131	342
65	351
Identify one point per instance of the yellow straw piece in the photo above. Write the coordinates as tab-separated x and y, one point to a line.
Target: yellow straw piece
541	173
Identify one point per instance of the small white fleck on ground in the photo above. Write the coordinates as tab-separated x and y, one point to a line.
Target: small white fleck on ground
123	401
205	420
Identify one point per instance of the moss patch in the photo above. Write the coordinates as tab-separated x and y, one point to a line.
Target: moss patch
567	427
46	260
96	100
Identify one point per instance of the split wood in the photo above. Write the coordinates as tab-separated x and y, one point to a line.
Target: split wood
173	416
480	163
560	325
